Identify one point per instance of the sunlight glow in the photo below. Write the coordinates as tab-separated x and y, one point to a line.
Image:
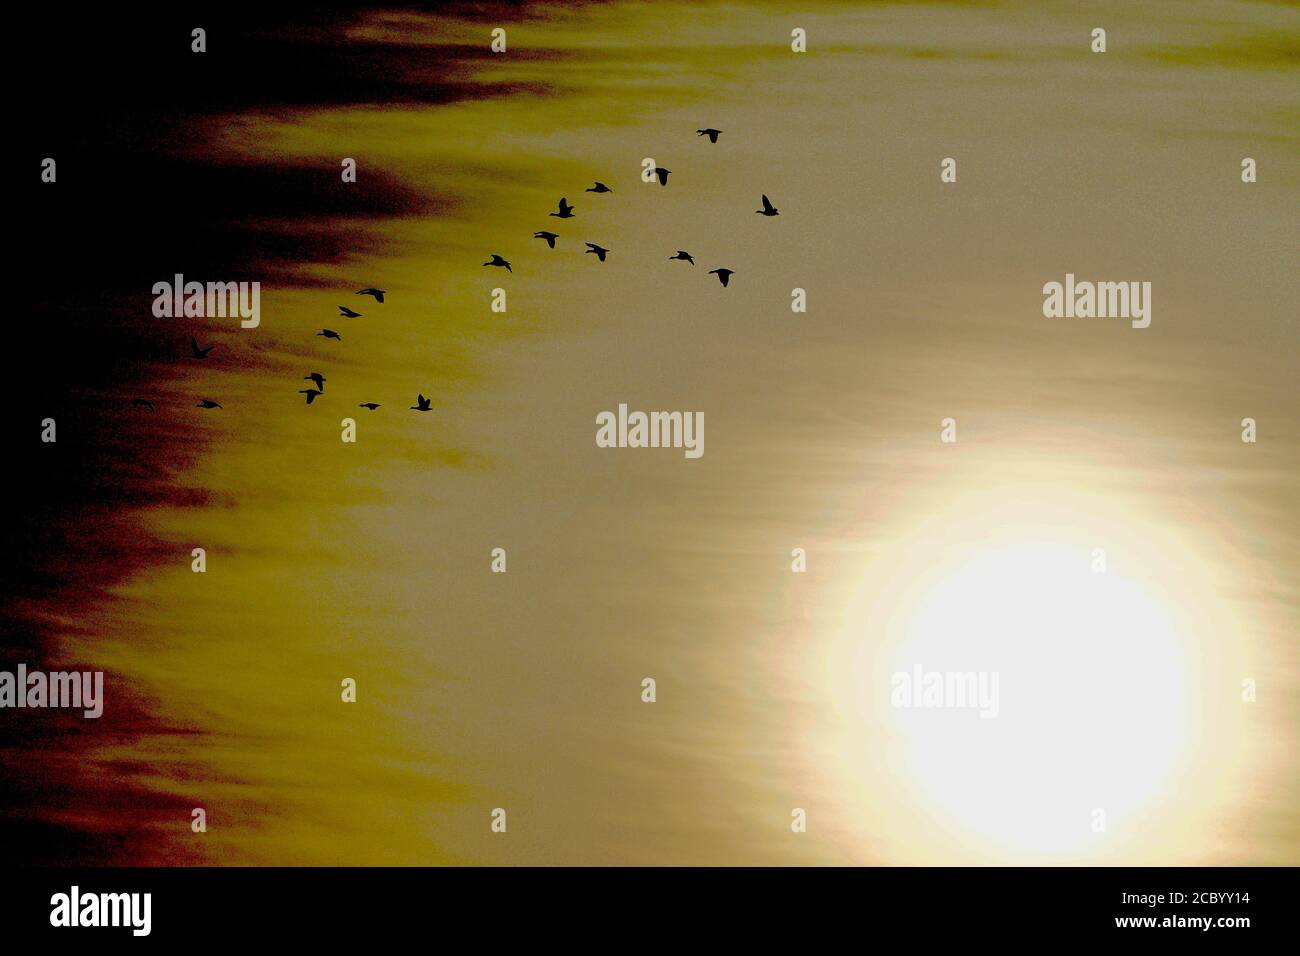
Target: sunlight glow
1106	681
1092	706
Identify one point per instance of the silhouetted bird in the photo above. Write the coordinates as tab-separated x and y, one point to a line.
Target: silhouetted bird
207	403
684	256
550	237
600	251
318	378
662	174
199	353
599	188
143	403
711	133
724	275
330	334
498	261
377	293
566	211
311	393
348	313
768	209
370	405
422	404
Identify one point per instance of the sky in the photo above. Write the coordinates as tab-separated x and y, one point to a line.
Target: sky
475	690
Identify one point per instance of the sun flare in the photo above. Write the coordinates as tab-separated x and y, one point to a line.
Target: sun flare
1082	659
1037	661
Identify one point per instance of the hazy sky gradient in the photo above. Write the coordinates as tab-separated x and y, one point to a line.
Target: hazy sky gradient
522	690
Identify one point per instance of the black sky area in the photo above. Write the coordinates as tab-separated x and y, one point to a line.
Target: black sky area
138	199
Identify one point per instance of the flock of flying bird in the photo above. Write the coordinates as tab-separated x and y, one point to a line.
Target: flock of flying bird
564	210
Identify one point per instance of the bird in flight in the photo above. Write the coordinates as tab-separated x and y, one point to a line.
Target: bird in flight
711	133
311	393
498	261
197	352
600	251
330	334
550	237
370	405
422	404
662	174
348	313
317	378
207	403
599	188
566	211
768	209
143	403
684	256
724	275
377	293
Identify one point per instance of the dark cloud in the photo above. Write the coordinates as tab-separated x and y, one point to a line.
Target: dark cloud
129	114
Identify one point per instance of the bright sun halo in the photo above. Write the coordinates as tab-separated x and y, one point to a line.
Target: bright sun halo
1091	703
1100	679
